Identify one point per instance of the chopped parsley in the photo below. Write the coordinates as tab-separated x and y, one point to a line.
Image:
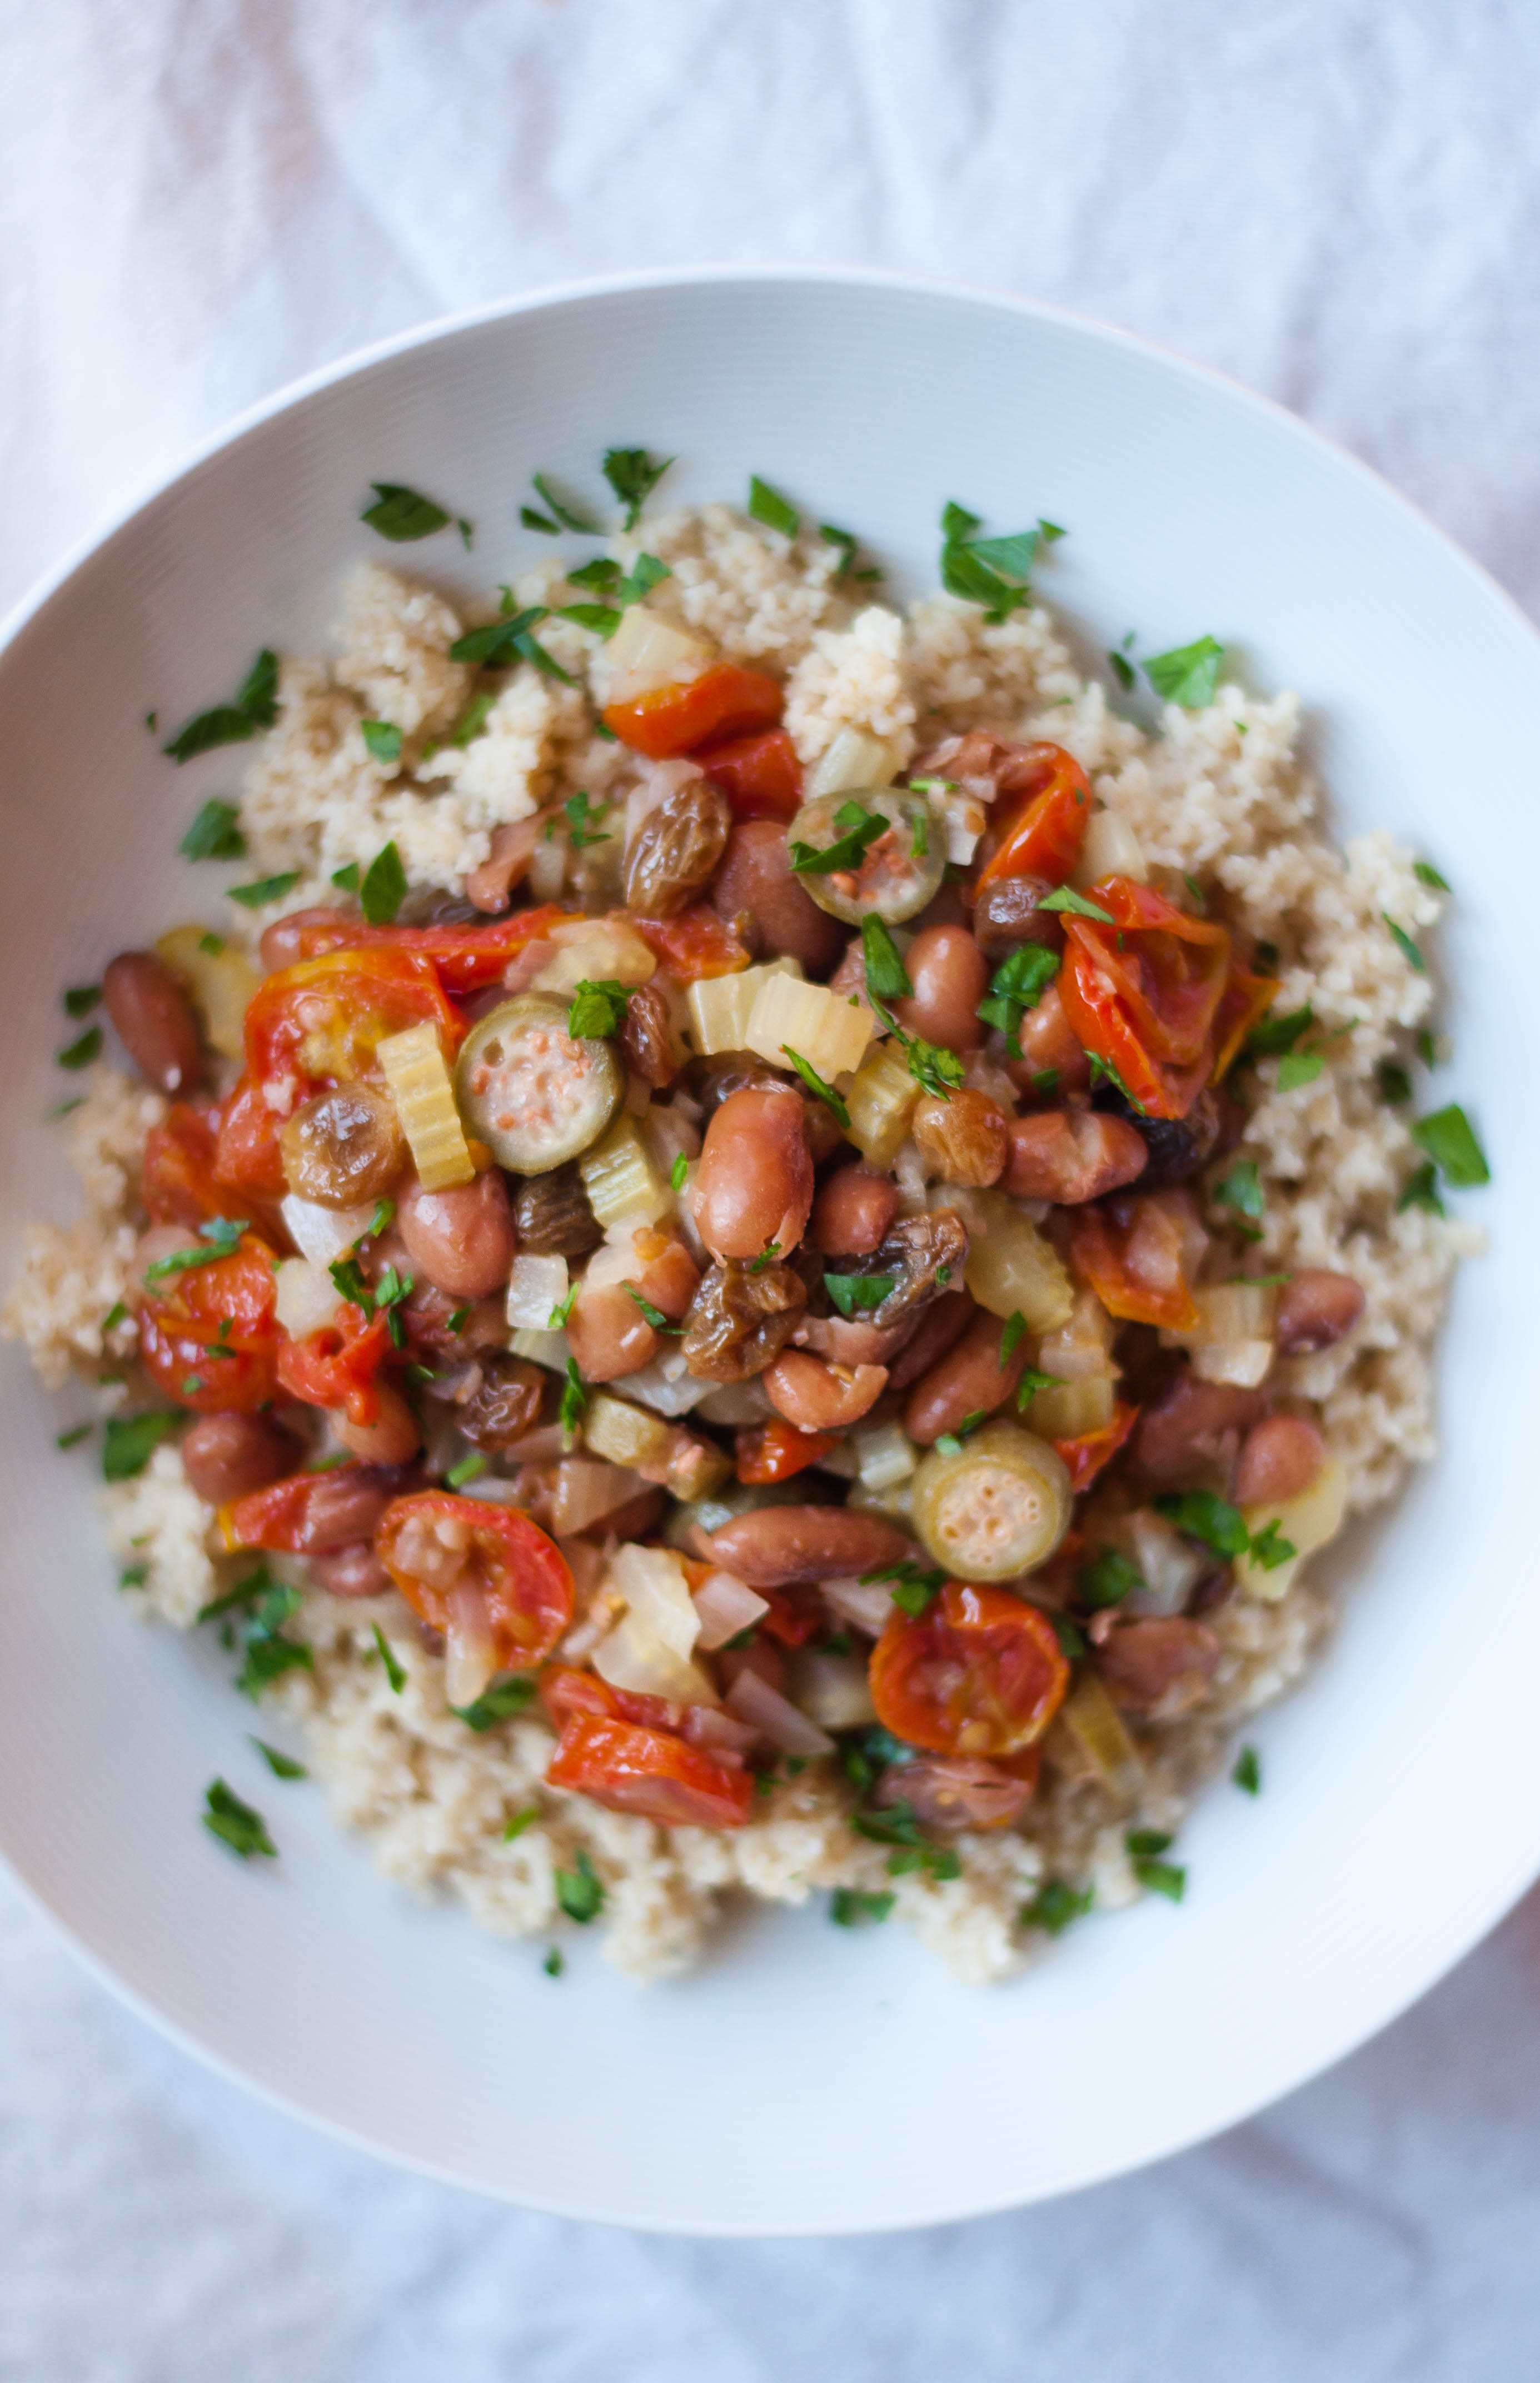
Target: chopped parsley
574	1401
263	890
282	1766
887	978
473	719
1123	671
1200	1515
1102	1071
542	522
1450	1143
1241	1190
1107	1580
1016	986
651	1314
255	709
1187	675
382	738
858	829
1274	1035
384	887
517	1823
402	515
766	1257
393	1670
1426	874
850	1906
816	1083
470	1468
268	1653
1072	1643
73	1437
767	505
385	1211
81	1053
678	1172
1270	1548
1405	945
553	1964
633	474
346	878
557	1319
1246	1774
132	1440
1394	1084
1421	1190
237	1824
117	1314
1011	1338
1428	1047
215	835
456	1319
495	1703
598	1009
938	1070
239	1599
1296	1069
1031	1382
79	1000
580	1892
913	1587
951	1442
583	818
992	572
224	1232
856	1293
895	1824
1145	1846
1055	1905
567	515
500	642
848	545
1064	897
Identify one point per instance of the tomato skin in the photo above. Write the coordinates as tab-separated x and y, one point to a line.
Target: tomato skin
279	1518
724	701
1044	838
464	958
247	1156
794	1615
1091	1451
979	1673
694	945
522	1573
776	1451
337	1366
322	1021
761	776
176	1177
1143	992
179	1326
1245	1001
1133	1261
649	1772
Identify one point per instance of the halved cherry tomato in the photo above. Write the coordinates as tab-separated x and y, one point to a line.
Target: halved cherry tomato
650	1772
207	1336
761	776
247	1156
435	1546
1091	1451
336	1366
322	1021
1142	992
176	1172
725	700
979	1671
774	1452
1245	1001
794	1615
697	944
464	957
1045	836
1134	1254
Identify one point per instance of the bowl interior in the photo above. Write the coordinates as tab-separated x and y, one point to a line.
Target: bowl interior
808	2079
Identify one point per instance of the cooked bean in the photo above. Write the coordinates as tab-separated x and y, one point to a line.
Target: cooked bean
505	1404
961	1137
1048	1041
344	1147
1279	1457
956	1791
1161	1667
940	1327
393	1437
153	1019
648	1044
1071	1155
609	1334
754	1182
1316	1307
283	943
352	1570
226	1456
1190	1438
775	1547
674	852
512	849
1006	914
757	886
950	978
428	1310
852	1211
341	1507
461	1240
970	1380
820	1396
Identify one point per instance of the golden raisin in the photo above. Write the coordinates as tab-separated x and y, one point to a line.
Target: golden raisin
962	1139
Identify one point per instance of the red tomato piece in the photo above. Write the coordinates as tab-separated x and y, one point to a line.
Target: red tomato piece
1045	836
322	1021
1142	992
794	1615
336	1366
279	1517
979	1673
1135	1256
1091	1451
774	1452
207	1336
697	944
436	1547
761	776
1245	1001
724	701
176	1172
650	1772
464	958
246	1155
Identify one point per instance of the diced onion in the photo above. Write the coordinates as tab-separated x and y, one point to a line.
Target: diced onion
548	868
721	1006
1170	1567
622	1185
630	1657
1307	1522
820	1026
535	1285
626	1435
731	1403
418	1082
833	1689
1110	849
470	1654
884	1454
307	1297
652	1582
550	1348
647	652
867	1603
1082	1344
667	1386
881	1100
856	758
1068	1410
1089	1737
1013	1269
756	1702
587	1491
322	1234
1245	1363
725	1605
593	950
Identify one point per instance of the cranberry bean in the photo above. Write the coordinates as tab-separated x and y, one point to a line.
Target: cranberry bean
1048	1039
1006	914
955	1792
393	1437
1192	1435
342	1507
609	1334
1161	1665
512	849
970	1379
950	977
756	884
1316	1308
940	1327
352	1570
849	1340
853	1212
154	1020
819	1397
1070	1155
963	1138
463	1240
227	1456
427	1313
755	1182
1279	1457
282	942
776	1546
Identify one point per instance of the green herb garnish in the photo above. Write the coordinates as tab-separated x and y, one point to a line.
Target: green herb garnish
598	1009
384	887
651	1314
1144	1846
1031	1382
1055	1905
1450	1143
255	709
992	571
1428	875
215	835
887	978
1187	675
580	1892
263	890
81	1053
1270	1548
816	1083
239	1826
1241	1190
1203	1515
1107	1580
679	1172
282	1766
556	1321
1272	1036
633	474
1016	986
73	1437
401	514
346	878
574	1401
1405	945
498	1702
1102	1071
224	1232
1123	671
1064	897
268	1654
132	1440
518	1822
858	1294
765	504
913	1589
566	512
1296	1069
582	818
849	1905
1246	1774
1394	1084
382	738
859	828
1421	1190
393	1670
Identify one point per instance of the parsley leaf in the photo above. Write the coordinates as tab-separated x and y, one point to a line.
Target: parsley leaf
1296	1069
815	1083
767	1257
856	1293
913	1589
263	890
1055	1905
847	543
519	1821
1203	1515
223	1233
268	1654
498	1702
1271	1548
574	1401
346	878
602	620
401	514
1064	897
1448	1139
1404	944
1246	1774
887	978
1421	1190
1161	1877
1188	674
581	817
568	516
393	1670
132	1440
651	1314
1424	872
1031	1382
81	1053
255	709
215	835
598	1009
1241	1190
679	1172
849	1905
80	999
73	1436
859	828
382	738
1011	1338
282	1766
532	520
384	887
1107	1580
240	1827
981	571
1016	986
580	1892
633	474
1274	1035
1102	1071
765	504
1123	670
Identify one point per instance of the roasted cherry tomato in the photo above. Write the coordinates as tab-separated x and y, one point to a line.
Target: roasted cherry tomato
207	1336
1045	836
336	1366
650	1772
774	1452
795	1615
176	1172
761	776
1135	1255
724	701
247	1156
1142	991
1245	1001
1092	1451
979	1673
697	944
436	1547
463	956
321	1021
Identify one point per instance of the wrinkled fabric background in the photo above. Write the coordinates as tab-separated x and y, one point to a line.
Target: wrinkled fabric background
1337	201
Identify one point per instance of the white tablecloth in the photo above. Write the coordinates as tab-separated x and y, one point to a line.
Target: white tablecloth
1337	201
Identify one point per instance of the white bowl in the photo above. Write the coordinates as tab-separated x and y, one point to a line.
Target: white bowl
808	2079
